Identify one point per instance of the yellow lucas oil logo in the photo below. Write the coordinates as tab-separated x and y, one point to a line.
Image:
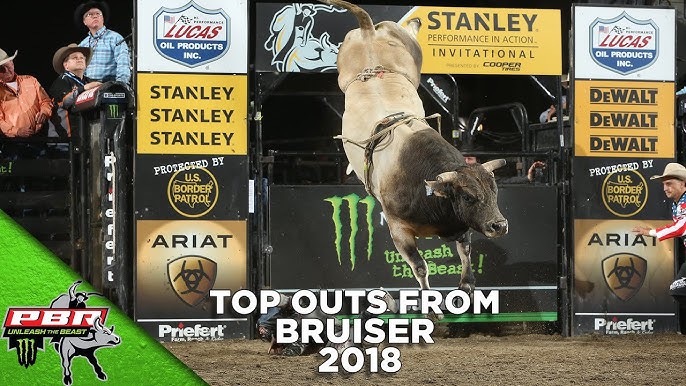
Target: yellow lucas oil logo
624	193
193	192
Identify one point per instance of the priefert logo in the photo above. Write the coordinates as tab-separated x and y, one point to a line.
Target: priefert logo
197	332
628	326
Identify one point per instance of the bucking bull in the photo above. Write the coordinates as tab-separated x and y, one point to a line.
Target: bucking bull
423	183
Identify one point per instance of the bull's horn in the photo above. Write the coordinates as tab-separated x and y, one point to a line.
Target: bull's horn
97	324
491	165
447	176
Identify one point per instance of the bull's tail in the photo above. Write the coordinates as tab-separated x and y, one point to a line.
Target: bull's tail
363	18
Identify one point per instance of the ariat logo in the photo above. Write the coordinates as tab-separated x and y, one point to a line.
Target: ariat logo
624	274
353	203
192	192
192	278
624	193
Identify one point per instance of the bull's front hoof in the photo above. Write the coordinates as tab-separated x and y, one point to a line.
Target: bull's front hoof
468	288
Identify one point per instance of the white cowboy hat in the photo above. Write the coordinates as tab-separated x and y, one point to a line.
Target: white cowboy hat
4	58
672	170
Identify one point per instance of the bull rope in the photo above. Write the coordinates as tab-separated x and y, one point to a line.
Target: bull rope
380	130
369	73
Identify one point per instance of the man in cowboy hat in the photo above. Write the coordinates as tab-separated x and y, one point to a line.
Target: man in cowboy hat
24	104
70	63
674	185
110	60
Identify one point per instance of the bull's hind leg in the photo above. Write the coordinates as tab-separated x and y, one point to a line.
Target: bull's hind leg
464	249
406	244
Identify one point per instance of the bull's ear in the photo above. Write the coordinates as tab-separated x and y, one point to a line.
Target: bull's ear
412	26
437	188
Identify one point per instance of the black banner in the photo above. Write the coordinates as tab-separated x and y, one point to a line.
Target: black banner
616	188
300	37
191	187
342	241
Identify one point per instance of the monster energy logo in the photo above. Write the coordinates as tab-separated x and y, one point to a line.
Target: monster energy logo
353	200
26	351
113	111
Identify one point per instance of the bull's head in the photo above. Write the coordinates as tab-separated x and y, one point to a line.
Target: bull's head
104	336
474	196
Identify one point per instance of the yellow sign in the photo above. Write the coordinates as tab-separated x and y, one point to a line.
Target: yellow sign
624	119
489	40
192	114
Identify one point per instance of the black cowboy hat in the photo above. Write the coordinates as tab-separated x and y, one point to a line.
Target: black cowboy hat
84	7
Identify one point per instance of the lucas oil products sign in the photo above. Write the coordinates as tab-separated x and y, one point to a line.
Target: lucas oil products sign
624	43
188	36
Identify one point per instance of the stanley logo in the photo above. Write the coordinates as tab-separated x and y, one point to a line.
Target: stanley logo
353	203
624	274
192	278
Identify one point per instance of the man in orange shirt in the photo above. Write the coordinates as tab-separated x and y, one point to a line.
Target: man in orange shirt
24	104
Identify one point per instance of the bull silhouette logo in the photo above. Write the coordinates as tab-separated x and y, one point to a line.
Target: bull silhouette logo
74	329
624	274
293	45
192	278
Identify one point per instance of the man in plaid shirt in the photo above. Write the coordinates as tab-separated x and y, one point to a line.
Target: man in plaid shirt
674	186
110	60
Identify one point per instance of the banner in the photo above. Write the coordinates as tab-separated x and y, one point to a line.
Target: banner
192	36
192	114
343	241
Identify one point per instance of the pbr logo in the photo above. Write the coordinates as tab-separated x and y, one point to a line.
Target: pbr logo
192	278
353	203
624	274
623	44
191	35
73	329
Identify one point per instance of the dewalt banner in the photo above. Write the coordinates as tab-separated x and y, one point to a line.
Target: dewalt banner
489	40
624	119
192	114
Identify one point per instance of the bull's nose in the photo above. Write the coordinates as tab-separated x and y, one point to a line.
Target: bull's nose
499	228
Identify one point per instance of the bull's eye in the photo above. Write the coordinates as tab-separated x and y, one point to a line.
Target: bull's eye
468	198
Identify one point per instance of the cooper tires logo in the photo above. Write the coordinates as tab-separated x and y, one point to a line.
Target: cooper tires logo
192	192
353	203
624	274
624	193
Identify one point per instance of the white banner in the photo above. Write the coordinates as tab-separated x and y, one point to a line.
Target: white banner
203	36
624	43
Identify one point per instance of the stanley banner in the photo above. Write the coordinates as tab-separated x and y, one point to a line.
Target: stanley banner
453	40
489	40
192	114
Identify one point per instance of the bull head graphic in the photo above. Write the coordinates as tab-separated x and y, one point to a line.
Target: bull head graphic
192	278
624	274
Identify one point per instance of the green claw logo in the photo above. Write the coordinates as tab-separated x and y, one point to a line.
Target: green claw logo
353	200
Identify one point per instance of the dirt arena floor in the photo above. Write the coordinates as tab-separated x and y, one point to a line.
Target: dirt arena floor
478	359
